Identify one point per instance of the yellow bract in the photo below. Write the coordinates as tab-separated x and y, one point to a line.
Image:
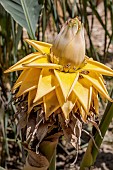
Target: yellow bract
43	82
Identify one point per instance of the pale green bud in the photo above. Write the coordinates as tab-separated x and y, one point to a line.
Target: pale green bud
69	46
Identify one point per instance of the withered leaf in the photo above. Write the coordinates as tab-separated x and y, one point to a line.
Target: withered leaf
35	161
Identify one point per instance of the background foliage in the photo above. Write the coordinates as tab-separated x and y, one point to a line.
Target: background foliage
42	20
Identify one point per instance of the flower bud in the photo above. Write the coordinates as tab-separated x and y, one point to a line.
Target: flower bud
69	46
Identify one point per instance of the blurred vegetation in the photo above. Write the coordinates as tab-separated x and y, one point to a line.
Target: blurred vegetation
41	23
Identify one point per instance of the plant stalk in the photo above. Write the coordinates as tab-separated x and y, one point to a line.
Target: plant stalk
92	152
53	162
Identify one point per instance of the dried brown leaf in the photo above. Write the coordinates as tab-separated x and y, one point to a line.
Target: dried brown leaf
35	161
22	122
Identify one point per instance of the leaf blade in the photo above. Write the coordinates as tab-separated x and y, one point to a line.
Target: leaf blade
24	12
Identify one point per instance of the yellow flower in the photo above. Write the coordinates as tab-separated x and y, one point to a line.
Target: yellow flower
61	77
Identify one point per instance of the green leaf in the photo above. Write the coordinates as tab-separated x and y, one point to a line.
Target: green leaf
24	12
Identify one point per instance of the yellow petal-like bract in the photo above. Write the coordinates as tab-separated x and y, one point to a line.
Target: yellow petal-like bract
47	76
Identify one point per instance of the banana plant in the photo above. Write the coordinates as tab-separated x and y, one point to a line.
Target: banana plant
57	92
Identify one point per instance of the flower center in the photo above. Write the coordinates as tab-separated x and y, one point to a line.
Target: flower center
68	68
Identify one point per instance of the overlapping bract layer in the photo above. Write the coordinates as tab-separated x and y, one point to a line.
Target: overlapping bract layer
44	82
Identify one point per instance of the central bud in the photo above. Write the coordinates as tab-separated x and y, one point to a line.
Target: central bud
68	48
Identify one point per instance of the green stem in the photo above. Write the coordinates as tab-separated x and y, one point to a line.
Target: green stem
53	162
92	152
48	148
